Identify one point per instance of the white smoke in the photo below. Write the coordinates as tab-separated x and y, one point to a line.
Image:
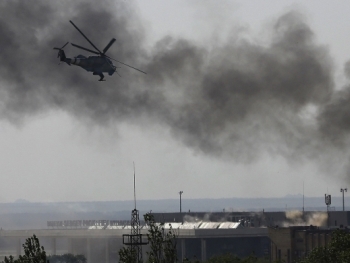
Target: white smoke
298	218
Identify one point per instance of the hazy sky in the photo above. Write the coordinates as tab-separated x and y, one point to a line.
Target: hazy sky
241	99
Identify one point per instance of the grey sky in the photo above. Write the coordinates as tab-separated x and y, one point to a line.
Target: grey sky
241	99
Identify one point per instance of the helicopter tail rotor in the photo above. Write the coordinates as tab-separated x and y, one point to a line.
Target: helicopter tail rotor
61	53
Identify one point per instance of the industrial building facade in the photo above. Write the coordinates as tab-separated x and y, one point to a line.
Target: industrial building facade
292	243
102	245
242	234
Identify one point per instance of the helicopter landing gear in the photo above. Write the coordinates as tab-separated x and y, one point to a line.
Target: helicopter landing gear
101	76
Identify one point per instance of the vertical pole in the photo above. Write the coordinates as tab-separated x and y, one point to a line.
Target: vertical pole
134	186
180	206
180	201
328	216
343	190
303	198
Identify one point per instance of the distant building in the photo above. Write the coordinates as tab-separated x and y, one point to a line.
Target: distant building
101	243
263	219
275	235
292	243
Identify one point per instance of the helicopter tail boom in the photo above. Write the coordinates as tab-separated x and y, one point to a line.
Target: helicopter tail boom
62	55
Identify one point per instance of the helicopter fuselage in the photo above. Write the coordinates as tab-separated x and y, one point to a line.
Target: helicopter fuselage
96	64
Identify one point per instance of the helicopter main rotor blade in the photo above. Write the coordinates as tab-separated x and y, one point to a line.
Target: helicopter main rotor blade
64	45
108	45
85	37
92	51
61	47
127	65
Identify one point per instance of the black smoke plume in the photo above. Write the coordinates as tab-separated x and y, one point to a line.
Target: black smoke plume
234	100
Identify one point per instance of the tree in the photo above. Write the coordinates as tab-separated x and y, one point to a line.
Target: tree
127	255
33	253
162	244
337	250
67	258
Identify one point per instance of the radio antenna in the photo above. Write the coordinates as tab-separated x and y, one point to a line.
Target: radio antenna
303	196
134	239
134	186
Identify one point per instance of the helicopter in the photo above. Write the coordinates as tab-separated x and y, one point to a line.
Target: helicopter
95	64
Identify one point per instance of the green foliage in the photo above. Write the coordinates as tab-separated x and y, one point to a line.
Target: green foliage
162	244
33	252
127	255
169	246
155	238
67	258
337	251
10	259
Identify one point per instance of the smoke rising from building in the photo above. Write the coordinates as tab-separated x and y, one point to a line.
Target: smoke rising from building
296	218
234	100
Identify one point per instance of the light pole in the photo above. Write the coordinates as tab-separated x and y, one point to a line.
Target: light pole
180	201
328	200
342	190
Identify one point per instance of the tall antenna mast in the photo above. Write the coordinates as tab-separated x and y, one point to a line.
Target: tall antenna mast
134	186
303	196
134	239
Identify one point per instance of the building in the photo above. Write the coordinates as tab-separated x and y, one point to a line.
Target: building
275	235
292	243
101	244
